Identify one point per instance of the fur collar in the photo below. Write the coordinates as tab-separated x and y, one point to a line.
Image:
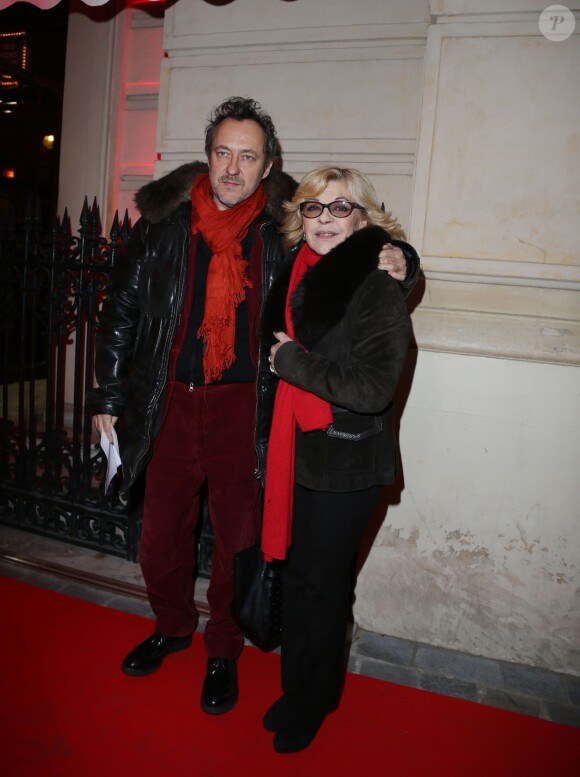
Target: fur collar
320	301
159	199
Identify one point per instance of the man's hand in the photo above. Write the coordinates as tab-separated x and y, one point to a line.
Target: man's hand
104	423
392	260
282	338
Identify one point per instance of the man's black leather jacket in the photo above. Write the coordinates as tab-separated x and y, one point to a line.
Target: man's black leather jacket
142	311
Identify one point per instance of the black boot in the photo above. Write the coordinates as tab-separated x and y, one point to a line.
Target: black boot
297	735
220	687
280	714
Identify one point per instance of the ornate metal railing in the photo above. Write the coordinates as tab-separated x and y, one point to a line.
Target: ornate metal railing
52	469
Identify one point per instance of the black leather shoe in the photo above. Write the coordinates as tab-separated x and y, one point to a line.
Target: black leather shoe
220	687
279	715
296	736
148	656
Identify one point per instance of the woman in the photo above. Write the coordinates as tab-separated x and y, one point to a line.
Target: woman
341	332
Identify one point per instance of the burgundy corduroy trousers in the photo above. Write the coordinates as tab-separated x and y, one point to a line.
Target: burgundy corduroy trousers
207	433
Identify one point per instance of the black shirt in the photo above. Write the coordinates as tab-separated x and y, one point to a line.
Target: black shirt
189	368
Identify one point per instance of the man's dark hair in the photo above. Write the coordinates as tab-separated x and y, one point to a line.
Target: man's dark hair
241	108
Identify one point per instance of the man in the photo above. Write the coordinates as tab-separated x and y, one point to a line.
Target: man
177	354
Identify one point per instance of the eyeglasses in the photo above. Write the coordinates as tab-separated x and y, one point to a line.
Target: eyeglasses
340	209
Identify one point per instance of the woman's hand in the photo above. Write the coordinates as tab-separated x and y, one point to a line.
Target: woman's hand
392	260
282	338
104	423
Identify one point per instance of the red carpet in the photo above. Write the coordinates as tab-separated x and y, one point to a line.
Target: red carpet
68	711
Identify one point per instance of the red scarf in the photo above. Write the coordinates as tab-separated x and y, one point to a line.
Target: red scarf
223	231
292	406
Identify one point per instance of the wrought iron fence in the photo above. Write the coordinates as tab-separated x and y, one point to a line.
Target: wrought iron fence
52	469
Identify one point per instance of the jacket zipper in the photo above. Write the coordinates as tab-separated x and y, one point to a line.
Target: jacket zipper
258	472
192	372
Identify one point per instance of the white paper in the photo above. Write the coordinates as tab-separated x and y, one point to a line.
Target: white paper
111	451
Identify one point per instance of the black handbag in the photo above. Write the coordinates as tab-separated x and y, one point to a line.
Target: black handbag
257	603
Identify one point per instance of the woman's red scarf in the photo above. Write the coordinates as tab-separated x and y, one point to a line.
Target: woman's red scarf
292	406
223	231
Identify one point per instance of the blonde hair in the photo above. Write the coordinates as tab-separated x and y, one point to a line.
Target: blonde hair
360	190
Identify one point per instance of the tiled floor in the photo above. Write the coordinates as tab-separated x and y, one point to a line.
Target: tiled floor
113	582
